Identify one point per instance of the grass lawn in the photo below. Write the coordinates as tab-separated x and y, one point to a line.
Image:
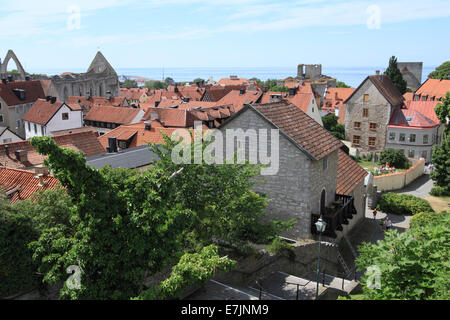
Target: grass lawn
439	203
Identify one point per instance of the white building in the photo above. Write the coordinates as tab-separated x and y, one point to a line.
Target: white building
7	136
49	115
415	129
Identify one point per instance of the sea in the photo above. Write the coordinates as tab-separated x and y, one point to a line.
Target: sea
352	76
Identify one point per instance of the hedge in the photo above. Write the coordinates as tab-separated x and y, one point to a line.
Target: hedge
403	204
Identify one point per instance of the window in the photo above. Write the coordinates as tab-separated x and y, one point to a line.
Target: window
402	137
372	142
356	140
365	112
366	97
412	138
29	126
0	105
424	154
7	140
65	116
391	135
325	163
18	124
42	131
373	126
411	153
425	139
1	118
357	125
35	128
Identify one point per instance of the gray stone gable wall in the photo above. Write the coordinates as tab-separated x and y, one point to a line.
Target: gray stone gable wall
379	112
290	190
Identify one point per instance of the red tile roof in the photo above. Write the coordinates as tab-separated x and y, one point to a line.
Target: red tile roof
133	93
33	91
238	100
415	115
408	96
298	126
350	174
302	97
86	142
178	118
140	136
434	88
118	115
232	82
23	184
42	111
214	94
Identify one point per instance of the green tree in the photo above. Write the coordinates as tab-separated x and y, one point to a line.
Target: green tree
441	72
340	84
124	230
199	80
394	157
168	81
413	265
441	154
129	84
155	85
395	75
330	122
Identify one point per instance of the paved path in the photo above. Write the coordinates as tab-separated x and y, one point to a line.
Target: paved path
420	187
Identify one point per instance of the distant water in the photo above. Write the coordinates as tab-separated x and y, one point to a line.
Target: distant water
351	76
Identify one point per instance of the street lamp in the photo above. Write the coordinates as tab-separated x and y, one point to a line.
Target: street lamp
320	226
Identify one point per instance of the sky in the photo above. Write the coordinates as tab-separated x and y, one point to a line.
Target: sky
224	33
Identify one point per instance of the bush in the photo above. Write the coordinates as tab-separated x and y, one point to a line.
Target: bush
425	219
279	247
439	192
403	204
395	158
369	157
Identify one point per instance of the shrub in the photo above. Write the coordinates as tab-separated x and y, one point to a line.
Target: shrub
279	246
403	204
439	192
424	219
395	158
369	157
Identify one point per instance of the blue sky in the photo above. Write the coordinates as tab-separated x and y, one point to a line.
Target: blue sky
224	33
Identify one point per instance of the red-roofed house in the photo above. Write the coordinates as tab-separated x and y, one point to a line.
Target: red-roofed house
302	97
415	129
305	171
232	81
22	155
334	102
16	98
48	115
105	119
21	185
432	89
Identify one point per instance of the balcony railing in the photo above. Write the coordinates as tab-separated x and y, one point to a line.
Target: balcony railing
337	214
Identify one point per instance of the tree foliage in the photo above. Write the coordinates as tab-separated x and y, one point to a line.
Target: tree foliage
441	154
441	72
395	75
413	265
330	122
403	204
395	158
156	84
341	84
129	84
193	270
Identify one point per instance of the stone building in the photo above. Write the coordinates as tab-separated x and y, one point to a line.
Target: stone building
99	80
368	111
20	75
308	177
312	73
412	73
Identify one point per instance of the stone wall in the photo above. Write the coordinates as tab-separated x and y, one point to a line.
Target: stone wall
379	112
399	180
412	74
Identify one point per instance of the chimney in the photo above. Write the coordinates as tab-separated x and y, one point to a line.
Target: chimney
53	100
108	95
148	125
377	72
21	155
112	145
233	77
41	180
48	98
336	96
